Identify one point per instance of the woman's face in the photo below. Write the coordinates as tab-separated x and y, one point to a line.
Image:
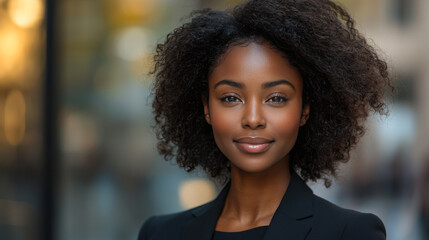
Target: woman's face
255	106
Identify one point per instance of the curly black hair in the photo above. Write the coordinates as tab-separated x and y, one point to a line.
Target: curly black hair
344	79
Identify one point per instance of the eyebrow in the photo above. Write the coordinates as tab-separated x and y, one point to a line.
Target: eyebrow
276	83
264	86
230	83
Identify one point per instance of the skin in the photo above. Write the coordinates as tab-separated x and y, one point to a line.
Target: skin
254	92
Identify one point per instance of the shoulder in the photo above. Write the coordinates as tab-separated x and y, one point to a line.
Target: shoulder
342	223
165	226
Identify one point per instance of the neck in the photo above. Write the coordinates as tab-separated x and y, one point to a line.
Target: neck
254	197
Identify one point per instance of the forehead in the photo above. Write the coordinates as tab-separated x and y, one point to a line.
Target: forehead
254	63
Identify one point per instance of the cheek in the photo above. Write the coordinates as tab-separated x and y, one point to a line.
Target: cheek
222	121
222	131
286	123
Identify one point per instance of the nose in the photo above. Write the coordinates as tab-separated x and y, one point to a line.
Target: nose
253	116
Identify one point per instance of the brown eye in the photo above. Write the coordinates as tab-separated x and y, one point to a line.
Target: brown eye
277	99
230	99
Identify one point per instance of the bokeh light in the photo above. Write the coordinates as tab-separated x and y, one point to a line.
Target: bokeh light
14	118
196	192
132	43
26	13
11	49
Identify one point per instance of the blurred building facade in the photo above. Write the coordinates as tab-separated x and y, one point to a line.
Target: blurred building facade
22	48
109	178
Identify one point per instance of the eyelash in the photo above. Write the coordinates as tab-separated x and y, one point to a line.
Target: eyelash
225	99
231	99
279	98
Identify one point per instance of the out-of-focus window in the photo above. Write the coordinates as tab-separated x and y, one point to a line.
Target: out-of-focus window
403	11
22	57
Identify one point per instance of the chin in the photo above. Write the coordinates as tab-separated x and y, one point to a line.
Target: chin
253	166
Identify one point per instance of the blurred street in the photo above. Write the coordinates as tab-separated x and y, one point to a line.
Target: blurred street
78	156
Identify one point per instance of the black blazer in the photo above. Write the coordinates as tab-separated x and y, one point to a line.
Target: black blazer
300	215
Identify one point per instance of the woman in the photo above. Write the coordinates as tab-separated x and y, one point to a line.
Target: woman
255	95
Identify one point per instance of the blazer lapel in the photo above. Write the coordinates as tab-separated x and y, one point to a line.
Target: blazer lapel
202	226
293	217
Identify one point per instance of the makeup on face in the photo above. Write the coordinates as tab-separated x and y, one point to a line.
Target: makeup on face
255	106
253	144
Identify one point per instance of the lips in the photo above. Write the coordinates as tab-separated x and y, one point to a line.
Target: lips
253	145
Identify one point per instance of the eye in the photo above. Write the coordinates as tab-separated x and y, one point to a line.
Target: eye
230	99
277	99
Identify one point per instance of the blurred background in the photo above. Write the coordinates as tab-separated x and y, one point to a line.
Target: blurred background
77	153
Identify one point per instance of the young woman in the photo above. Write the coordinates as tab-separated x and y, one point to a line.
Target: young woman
269	95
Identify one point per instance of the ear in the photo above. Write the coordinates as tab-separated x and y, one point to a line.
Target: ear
305	115
204	99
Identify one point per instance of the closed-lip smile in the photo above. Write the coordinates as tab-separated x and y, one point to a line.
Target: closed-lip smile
253	145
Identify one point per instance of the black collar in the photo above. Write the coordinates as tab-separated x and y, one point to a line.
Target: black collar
292	219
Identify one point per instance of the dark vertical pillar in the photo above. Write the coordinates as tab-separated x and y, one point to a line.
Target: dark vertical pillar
50	146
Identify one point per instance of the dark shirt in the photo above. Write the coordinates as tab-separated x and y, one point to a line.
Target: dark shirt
300	215
251	234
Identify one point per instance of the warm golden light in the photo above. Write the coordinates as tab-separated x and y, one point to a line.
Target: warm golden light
195	192
14	118
129	12
25	13
11	49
